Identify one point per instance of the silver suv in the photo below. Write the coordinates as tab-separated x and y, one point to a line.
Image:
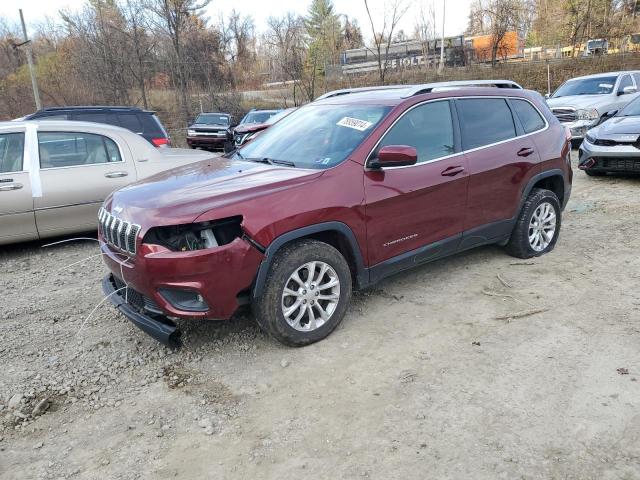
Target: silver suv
583	102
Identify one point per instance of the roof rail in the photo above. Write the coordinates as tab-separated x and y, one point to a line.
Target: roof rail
425	88
432	87
346	91
89	107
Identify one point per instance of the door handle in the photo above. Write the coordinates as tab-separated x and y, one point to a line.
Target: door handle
10	186
116	174
452	171
525	152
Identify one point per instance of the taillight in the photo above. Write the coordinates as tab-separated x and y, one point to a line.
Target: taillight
161	142
567	133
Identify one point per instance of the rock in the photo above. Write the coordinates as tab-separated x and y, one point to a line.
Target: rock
205	423
41	407
15	401
208	430
38	445
284	363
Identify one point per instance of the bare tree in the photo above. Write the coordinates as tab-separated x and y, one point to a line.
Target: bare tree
173	17
425	29
137	32
289	54
382	38
496	18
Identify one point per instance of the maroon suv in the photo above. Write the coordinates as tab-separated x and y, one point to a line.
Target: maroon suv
345	191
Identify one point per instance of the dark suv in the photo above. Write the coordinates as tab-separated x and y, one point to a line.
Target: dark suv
343	192
143	122
210	131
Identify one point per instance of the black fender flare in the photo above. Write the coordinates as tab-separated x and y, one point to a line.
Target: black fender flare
556	172
362	273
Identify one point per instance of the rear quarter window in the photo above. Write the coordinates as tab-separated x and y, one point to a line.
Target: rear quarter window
484	121
130	122
528	115
151	125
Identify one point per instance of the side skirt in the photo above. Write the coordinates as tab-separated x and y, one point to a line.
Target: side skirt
497	232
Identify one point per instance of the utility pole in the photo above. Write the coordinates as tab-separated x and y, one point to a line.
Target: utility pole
441	66
34	81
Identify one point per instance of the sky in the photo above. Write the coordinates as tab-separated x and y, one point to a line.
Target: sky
455	19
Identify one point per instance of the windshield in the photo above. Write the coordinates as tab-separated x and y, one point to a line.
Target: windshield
595	43
212	119
631	110
315	136
587	86
258	117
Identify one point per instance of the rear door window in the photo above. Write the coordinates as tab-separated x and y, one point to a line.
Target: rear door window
11	152
484	121
53	116
528	115
108	118
70	149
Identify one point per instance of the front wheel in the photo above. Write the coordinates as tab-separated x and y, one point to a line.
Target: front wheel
538	226
306	294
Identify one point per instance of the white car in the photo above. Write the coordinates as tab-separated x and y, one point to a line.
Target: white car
55	174
583	102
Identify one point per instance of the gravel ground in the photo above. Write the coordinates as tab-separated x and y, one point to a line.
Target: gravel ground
433	373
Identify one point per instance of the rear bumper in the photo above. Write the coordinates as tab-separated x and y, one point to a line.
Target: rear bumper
163	330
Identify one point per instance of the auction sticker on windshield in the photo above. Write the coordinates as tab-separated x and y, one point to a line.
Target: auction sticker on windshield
354	123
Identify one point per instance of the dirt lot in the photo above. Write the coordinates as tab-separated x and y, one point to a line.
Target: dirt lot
425	378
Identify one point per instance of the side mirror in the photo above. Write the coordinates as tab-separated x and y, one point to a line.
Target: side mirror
395	156
547	96
607	116
628	90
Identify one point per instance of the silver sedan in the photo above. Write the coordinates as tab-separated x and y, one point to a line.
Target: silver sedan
55	174
613	146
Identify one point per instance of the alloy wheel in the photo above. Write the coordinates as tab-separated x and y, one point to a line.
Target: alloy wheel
310	296
542	226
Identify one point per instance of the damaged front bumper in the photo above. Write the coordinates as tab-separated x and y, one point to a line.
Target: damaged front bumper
156	285
619	158
160	328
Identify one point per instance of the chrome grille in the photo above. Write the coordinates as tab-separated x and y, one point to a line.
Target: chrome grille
565	115
117	232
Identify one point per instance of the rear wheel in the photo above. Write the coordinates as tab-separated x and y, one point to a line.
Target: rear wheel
538	226
306	294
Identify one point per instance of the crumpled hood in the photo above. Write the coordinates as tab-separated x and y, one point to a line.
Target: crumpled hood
615	127
250	127
599	102
182	194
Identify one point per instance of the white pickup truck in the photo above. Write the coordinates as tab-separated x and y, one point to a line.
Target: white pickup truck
581	103
55	174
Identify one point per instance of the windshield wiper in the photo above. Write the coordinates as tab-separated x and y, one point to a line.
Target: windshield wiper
271	161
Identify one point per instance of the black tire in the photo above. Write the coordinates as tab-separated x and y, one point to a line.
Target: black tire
595	173
268	307
519	245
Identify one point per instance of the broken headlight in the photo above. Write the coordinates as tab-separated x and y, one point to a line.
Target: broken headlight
196	236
